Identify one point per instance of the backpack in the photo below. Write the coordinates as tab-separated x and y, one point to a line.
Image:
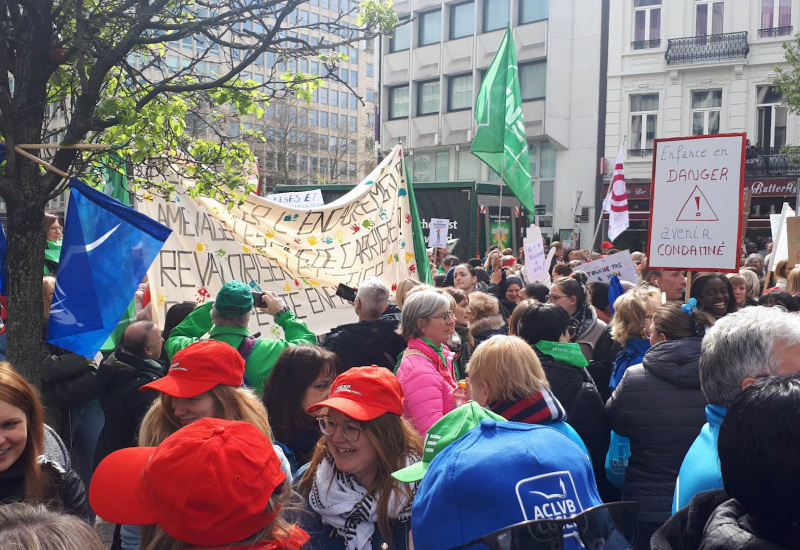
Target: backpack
244	349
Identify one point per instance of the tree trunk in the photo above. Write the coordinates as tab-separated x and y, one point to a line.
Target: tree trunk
25	261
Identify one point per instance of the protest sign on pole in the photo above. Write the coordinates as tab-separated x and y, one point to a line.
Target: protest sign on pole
601	270
696	204
793	240
302	254
299	199
780	250
535	259
438	236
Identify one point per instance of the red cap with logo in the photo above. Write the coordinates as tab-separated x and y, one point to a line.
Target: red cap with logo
198	368
207	484
365	393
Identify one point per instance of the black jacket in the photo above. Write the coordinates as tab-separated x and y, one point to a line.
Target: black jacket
483	329
120	376
660	407
714	521
367	343
574	388
498	290
68	382
65	488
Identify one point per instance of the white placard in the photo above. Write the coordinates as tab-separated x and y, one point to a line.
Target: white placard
535	258
780	250
619	264
298	199
438	236
696	204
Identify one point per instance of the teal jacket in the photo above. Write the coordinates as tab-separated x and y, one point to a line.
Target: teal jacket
700	468
265	352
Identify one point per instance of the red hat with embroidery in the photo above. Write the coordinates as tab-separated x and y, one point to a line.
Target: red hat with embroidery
208	484
365	393
198	368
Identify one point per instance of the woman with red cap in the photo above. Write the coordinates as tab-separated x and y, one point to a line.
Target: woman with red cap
357	504
215	484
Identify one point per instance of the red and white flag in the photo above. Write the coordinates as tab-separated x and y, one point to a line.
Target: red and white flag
616	201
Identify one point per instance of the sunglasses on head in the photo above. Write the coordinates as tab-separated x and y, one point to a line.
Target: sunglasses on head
607	527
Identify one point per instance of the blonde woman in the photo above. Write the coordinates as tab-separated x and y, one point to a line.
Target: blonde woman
633	313
793	282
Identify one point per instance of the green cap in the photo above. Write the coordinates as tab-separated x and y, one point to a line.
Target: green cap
448	429
233	299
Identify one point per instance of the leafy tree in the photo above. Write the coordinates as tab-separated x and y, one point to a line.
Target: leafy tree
107	71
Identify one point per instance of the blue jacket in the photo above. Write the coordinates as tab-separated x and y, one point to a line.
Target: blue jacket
700	469
632	355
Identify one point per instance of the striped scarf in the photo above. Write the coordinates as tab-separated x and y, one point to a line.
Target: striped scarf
538	408
349	508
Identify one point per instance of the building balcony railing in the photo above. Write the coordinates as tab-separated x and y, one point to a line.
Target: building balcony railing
776	161
640	153
646	44
715	47
775	31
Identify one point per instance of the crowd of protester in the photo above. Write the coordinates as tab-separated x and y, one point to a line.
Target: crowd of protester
486	410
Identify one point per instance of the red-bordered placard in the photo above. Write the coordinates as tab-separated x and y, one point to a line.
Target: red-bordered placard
696	199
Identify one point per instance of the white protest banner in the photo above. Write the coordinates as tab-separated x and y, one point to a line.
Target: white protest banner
299	199
438	236
302	254
535	260
696	204
619	264
780	250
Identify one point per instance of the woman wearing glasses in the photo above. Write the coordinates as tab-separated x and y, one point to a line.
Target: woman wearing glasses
426	369
571	295
52	251
357	504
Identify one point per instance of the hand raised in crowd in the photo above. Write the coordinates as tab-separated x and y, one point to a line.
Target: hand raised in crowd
272	302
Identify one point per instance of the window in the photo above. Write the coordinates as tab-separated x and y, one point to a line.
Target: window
353	78
334	96
353	54
323	96
303	65
532	10
343	99
430	27
708	17
495	14
354	100
467	166
459	92
532	80
333	143
462	20
442	169
398	102
334	120
646	24
428	97
314	18
771	132
777	15
422	167
706	109
351	147
370	95
312	117
644	119
314	68
370	69
401	40
323	119
353	124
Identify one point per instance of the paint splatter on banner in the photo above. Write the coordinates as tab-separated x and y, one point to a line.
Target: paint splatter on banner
301	254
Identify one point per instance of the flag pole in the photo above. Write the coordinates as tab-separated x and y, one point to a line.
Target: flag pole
500	204
600	217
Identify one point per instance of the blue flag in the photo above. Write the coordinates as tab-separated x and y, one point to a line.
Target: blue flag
2	153
615	290
106	252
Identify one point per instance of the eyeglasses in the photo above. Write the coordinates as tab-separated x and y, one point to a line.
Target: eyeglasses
608	526
553	297
55	228
351	431
446	316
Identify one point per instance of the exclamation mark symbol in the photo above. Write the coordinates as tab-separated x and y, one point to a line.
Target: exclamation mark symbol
697	201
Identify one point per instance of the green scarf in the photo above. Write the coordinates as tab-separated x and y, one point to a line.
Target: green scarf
438	349
564	352
52	252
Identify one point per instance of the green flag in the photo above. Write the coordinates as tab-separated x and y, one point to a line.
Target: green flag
420	252
116	179
500	139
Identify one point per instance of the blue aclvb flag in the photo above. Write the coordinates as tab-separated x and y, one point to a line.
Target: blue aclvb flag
106	252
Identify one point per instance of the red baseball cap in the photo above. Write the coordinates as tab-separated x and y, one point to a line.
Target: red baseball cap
207	484
607	244
365	393
198	368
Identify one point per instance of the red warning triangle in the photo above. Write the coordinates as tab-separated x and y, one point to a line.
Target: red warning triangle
697	209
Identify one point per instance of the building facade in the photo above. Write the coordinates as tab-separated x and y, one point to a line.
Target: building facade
431	71
696	67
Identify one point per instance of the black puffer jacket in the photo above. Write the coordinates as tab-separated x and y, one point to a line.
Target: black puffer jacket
483	329
65	488
120	376
574	388
367	343
660	407
68	383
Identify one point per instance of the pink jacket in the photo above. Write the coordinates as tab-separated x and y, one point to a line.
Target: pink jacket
428	385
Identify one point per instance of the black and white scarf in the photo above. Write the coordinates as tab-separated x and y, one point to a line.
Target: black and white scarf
349	508
583	319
